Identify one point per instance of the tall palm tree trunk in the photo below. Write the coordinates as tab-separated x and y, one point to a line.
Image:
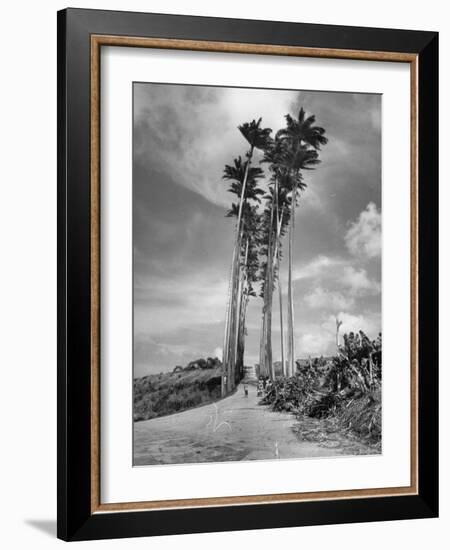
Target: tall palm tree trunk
262	361
268	295
280	300
226	336
238	279
268	343
290	330
229	328
240	303
241	338
234	311
277	260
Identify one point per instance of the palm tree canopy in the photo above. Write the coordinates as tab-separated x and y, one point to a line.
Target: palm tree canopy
236	173
275	153
302	130
302	158
256	136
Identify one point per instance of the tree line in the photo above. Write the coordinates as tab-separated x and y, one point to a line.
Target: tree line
264	215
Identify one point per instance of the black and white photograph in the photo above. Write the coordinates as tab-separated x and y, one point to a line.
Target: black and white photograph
257	274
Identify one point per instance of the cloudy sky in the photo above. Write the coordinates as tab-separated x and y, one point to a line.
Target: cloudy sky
183	137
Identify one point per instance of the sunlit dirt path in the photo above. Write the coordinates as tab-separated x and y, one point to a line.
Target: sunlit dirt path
235	428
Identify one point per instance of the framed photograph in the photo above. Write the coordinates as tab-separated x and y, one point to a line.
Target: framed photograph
247	255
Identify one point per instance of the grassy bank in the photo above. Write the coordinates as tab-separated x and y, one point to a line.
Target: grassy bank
167	393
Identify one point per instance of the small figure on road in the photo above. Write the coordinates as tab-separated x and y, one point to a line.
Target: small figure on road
260	388
245	390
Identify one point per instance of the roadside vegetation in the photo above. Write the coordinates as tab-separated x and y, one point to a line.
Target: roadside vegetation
343	392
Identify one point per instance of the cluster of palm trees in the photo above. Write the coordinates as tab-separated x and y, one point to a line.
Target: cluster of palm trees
263	217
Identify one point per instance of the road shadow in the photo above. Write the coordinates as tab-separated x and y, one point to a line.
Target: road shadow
46	526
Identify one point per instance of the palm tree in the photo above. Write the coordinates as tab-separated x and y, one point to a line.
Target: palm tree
245	186
248	277
257	138
302	140
282	215
275	219
302	131
239	172
302	158
266	251
286	182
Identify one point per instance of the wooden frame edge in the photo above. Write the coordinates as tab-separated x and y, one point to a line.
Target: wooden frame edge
231	47
414	272
95	272
237	47
255	499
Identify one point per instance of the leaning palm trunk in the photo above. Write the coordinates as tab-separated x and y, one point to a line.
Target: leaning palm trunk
290	329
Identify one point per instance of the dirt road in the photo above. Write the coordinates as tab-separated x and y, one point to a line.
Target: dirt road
235	428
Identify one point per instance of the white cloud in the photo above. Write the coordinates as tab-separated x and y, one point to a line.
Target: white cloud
358	282
167	304
317	267
363	238
315	343
320	298
336	282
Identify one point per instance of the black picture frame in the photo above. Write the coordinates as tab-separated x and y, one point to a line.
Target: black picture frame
75	518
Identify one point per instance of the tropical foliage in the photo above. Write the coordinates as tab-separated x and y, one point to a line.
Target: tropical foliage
347	389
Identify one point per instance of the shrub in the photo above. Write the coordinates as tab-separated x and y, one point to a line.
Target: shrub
363	416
